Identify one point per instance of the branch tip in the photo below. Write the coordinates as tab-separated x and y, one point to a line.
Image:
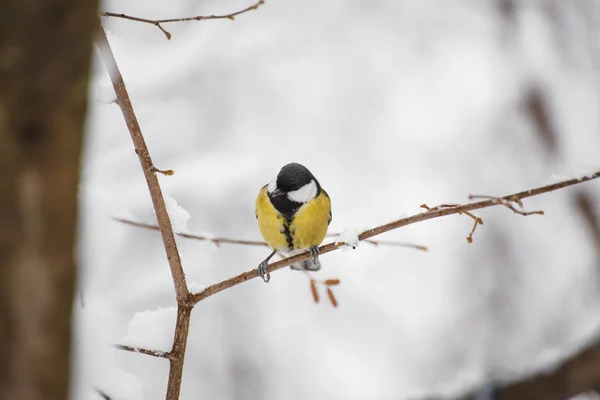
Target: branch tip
158	22
166	172
167	33
506	202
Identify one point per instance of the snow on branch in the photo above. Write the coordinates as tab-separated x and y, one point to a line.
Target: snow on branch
154	353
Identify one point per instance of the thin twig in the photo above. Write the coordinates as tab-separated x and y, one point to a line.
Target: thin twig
397	244
217	240
507	203
158	22
103	395
220	240
153	353
586	205
166	172
455	209
181	290
476	219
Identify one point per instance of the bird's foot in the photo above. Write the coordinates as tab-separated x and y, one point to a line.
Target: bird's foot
314	254
263	272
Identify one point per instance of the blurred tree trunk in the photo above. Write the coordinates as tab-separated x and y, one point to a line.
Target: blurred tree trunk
45	52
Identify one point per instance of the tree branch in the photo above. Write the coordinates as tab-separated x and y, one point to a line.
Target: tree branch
103	395
434	213
158	201
153	353
220	240
217	240
507	203
158	22
585	204
577	375
181	290
182	328
476	220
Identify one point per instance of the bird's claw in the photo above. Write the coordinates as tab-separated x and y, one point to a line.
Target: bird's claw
314	254
263	272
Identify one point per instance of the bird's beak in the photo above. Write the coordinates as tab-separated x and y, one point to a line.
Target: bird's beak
277	193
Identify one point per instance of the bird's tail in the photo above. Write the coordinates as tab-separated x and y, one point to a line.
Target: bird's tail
306	265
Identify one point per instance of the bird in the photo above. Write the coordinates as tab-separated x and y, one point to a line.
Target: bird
293	213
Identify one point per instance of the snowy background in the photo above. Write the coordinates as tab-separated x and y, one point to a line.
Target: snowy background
390	104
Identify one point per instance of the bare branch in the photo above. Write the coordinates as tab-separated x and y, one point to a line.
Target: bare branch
153	353
158	22
103	395
441	212
577	375
585	204
476	219
507	203
182	328
181	290
216	240
537	107
220	240
397	244
141	149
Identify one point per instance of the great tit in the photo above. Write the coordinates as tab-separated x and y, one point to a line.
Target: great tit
293	213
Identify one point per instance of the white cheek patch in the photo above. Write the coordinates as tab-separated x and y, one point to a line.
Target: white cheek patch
305	194
272	186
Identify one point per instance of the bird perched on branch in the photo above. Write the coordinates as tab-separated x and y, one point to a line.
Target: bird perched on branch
293	213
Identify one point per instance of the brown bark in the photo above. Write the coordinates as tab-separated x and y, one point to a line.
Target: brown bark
182	328
158	201
579	374
184	308
45	49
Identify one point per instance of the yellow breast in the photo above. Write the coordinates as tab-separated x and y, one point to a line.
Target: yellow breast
308	226
271	223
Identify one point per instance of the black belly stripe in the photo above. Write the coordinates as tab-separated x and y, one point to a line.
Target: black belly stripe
287	232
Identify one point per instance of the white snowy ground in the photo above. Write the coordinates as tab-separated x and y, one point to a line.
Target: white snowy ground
390	104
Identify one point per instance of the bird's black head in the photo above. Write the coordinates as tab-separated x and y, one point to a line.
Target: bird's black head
293	176
293	187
